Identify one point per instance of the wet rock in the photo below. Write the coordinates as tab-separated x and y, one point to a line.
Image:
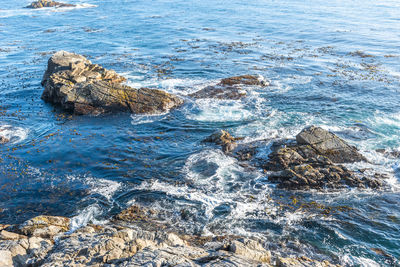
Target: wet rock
48	3
329	145
224	139
4	140
300	167
391	153
45	226
230	88
302	262
79	86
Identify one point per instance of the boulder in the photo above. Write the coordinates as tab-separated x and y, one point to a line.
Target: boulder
81	87
224	139
45	226
329	145
48	3
230	88
311	163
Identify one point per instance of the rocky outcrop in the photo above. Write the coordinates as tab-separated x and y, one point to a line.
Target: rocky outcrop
45	226
329	145
310	162
81	87
230	88
114	245
48	3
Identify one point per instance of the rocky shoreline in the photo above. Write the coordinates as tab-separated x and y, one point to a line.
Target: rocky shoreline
314	160
125	241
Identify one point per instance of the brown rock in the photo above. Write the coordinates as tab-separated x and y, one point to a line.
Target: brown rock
224	139
79	86
48	3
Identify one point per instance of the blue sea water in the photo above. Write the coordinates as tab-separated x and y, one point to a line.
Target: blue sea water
335	64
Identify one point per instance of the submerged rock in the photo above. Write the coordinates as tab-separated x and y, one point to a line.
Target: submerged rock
48	3
79	86
230	88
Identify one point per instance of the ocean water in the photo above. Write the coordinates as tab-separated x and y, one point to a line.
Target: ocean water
330	63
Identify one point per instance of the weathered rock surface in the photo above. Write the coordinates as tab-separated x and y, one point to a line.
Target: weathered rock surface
45	226
115	245
230	88
309	163
48	3
79	86
329	145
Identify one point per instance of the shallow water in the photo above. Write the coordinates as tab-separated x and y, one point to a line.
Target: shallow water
331	64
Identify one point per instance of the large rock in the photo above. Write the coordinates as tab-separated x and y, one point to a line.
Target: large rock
329	145
79	86
310	163
230	88
48	3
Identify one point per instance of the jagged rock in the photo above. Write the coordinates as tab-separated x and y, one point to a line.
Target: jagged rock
224	139
79	86
329	145
230	88
48	3
302	262
45	226
300	167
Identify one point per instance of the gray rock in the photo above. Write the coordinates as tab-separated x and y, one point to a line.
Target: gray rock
329	145
79	86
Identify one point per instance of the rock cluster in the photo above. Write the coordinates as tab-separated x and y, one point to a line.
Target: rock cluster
129	245
230	88
312	162
79	86
4	140
48	3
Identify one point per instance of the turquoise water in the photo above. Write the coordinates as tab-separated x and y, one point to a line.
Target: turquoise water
331	64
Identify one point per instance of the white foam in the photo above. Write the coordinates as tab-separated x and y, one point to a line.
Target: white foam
143	119
13	133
